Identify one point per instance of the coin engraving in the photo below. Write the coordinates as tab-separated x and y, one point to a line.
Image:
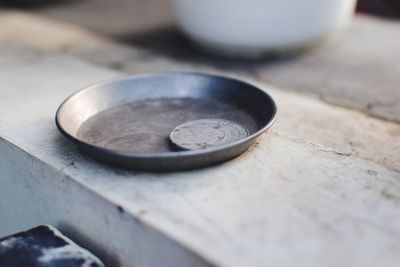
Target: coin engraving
206	133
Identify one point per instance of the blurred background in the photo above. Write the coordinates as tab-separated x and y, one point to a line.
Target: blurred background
152	24
144	23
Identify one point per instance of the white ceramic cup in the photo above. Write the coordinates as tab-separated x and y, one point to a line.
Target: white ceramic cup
251	27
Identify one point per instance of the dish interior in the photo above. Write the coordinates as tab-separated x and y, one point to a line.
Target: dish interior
144	125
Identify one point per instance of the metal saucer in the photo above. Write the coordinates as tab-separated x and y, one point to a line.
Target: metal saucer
127	122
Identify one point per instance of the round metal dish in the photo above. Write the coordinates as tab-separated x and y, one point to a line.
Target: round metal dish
126	122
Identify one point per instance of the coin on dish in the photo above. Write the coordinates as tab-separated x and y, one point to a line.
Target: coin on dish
206	133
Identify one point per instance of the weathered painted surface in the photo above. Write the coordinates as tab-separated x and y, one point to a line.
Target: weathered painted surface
361	71
33	192
287	202
345	130
303	116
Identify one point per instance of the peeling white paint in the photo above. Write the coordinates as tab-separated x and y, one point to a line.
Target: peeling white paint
69	251
10	242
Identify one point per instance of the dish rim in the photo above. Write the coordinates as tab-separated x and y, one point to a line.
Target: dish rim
171	154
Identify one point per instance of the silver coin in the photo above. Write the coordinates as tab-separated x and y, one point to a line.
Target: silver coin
201	134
